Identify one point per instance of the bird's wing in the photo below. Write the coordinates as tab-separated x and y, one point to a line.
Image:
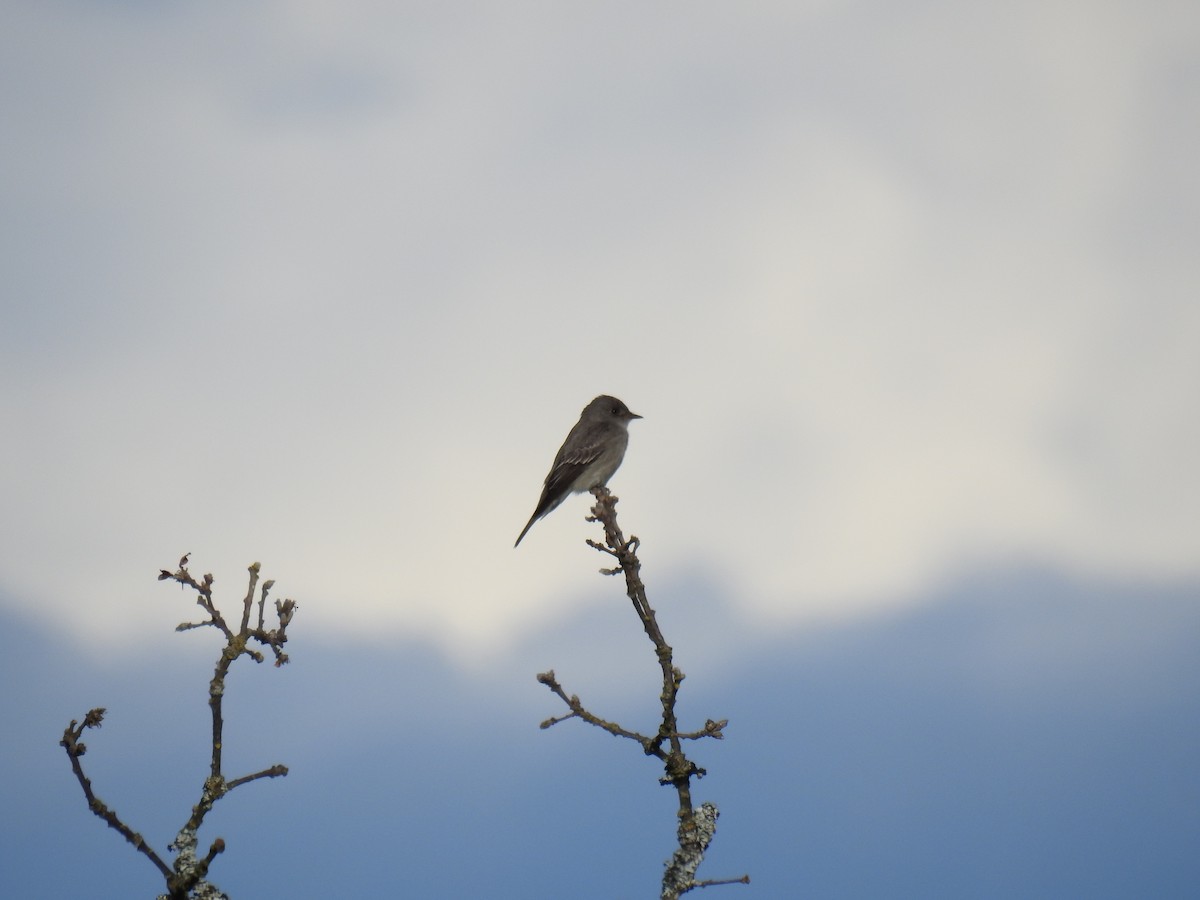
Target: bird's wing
570	465
566	468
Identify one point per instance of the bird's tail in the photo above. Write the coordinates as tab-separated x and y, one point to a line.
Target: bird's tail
525	530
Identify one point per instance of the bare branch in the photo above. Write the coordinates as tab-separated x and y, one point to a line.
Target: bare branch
577	711
276	771
75	749
696	826
187	877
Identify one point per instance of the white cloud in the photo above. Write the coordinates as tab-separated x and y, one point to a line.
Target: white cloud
328	292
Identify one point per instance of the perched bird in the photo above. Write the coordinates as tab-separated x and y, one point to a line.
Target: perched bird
588	457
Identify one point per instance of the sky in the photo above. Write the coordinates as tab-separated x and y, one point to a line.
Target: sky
905	294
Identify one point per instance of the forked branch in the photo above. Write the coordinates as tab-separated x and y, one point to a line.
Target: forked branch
697	826
186	878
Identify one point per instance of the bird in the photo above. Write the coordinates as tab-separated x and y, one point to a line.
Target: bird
588	457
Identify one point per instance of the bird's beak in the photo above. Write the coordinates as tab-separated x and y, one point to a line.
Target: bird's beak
633	415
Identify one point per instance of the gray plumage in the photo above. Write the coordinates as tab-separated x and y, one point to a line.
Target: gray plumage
588	457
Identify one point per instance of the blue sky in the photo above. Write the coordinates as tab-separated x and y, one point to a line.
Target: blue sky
902	756
906	295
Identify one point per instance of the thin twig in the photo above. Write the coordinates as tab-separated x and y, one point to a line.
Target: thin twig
577	711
